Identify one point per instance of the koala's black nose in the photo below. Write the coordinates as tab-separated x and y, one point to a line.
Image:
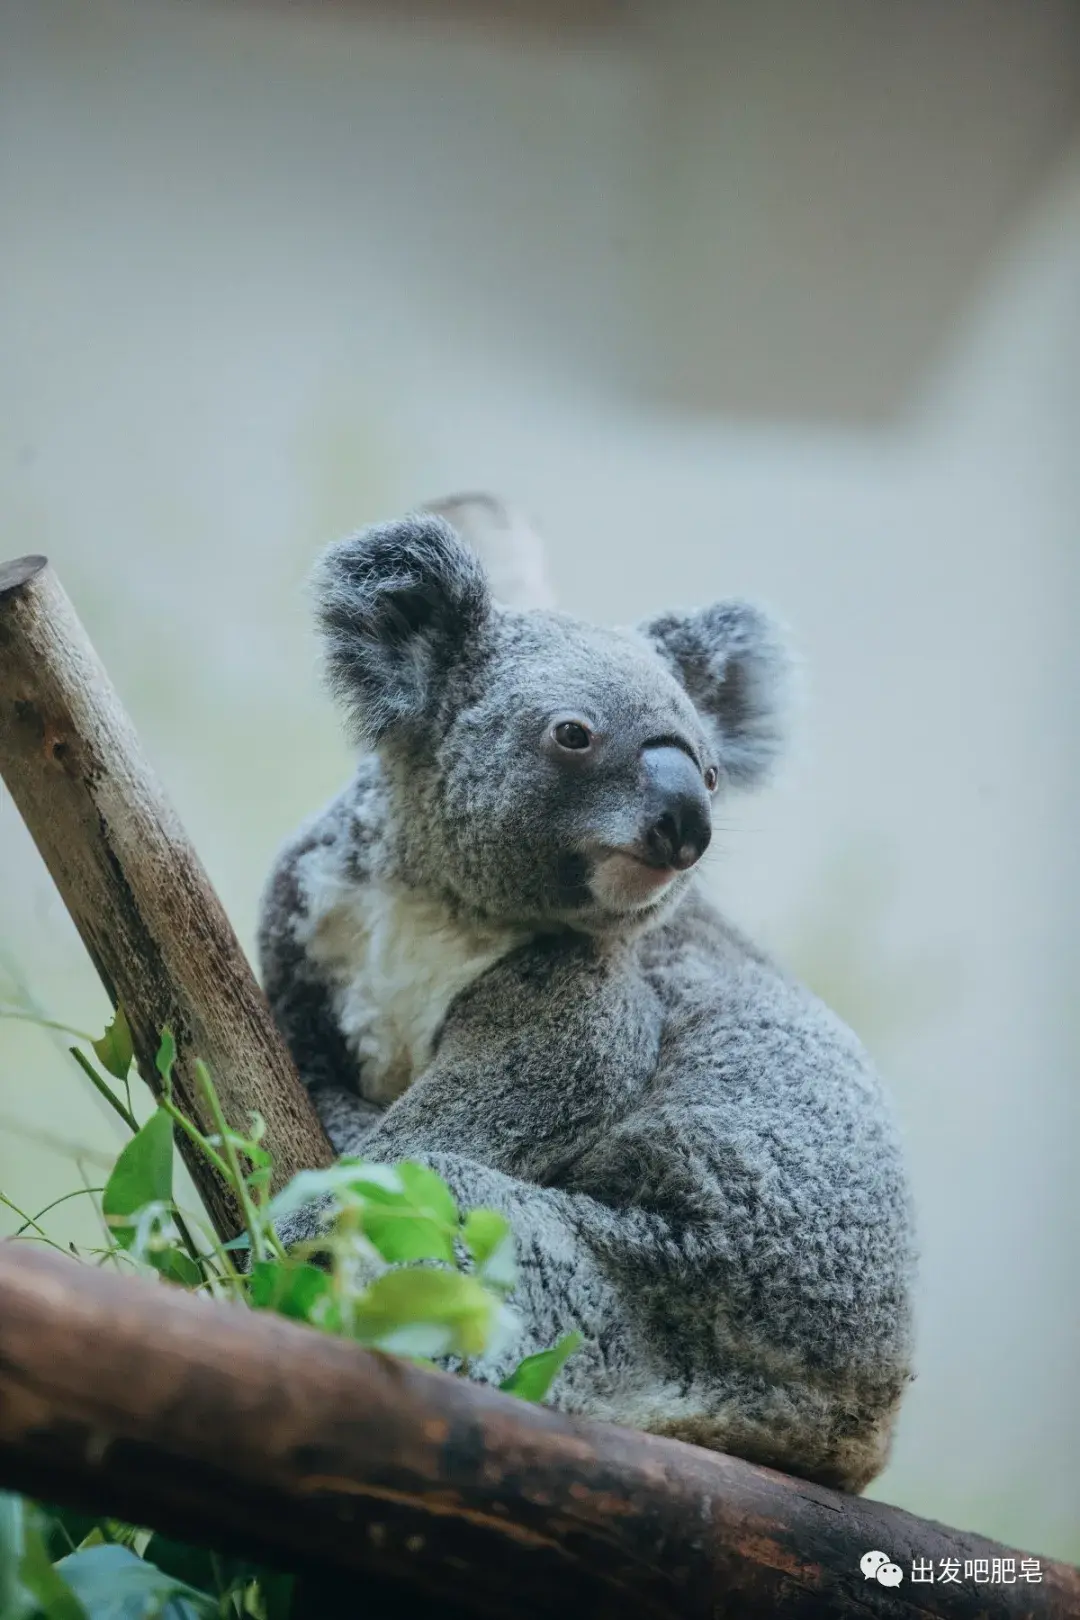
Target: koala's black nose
678	824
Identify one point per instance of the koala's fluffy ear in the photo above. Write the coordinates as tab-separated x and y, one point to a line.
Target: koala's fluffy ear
734	663
397	605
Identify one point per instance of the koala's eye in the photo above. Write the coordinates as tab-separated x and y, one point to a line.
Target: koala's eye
572	734
712	776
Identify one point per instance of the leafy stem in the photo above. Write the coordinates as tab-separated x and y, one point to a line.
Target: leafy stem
25	1016
104	1090
236	1176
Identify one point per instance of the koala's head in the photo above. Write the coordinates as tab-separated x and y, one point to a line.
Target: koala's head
543	770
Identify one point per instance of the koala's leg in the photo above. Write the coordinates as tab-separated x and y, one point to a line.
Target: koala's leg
664	1230
645	1291
654	1280
571	1255
648	1294
571	1252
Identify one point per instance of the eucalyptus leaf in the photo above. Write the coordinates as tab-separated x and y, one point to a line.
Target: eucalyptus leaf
93	1538
114	1049
166	1057
155	1234
290	1288
178	1266
15	1600
141	1175
483	1231
113	1583
489	1240
448	1300
344	1182
50	1590
422	1342
404	1234
427	1192
140	1186
533	1377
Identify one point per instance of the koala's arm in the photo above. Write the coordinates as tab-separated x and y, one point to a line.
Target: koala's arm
571	1251
537	1060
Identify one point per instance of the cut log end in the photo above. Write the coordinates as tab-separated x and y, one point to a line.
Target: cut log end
14	575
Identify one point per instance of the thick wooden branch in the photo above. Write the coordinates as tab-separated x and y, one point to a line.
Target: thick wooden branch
244	1431
132	882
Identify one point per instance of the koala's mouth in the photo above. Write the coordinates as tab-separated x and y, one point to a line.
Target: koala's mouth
623	881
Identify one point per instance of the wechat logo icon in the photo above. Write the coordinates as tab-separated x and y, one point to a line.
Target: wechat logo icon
878	1566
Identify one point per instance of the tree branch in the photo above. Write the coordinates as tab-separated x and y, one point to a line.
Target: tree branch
250	1433
153	926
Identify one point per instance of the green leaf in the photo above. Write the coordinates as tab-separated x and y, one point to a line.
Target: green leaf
348	1181
427	1192
166	1057
422	1312
141	1186
533	1377
112	1583
94	1537
15	1601
403	1234
154	1238
483	1231
42	1579
489	1240
291	1289
178	1266
141	1175
114	1050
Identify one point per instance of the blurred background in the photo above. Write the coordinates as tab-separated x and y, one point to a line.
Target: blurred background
775	298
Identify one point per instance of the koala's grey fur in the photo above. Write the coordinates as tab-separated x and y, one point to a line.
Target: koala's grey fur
698	1161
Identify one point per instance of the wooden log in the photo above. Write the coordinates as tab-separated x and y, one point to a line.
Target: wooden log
254	1434
145	909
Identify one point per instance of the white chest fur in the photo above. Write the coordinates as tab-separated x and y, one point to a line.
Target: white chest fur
396	960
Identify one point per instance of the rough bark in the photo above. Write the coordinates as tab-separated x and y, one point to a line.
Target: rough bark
251	1433
129	877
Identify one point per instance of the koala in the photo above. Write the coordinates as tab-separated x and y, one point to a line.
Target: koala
492	953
